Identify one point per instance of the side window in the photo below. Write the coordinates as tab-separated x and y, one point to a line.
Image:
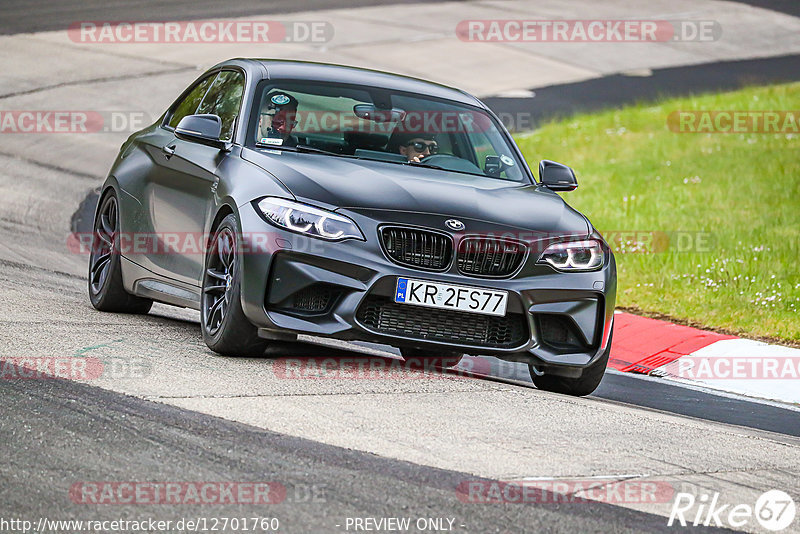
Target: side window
189	104
224	99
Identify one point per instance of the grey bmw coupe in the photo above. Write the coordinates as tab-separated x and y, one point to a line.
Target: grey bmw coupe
282	198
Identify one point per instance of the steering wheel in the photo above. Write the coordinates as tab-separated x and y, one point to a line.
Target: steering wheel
451	163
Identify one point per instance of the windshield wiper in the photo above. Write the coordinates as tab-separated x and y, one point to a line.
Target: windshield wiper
315	150
304	149
277	147
422	164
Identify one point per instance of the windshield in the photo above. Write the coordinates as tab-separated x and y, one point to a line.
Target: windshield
376	124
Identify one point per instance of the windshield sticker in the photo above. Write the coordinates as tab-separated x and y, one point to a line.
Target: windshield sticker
272	140
280	100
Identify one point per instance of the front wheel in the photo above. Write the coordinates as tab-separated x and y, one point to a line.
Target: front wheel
578	387
226	330
106	290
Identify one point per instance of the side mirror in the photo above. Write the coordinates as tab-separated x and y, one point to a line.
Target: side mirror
203	129
557	177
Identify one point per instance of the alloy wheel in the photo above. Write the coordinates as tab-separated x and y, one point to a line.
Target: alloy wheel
103	244
218	280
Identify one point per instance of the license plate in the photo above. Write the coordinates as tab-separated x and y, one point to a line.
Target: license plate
450	297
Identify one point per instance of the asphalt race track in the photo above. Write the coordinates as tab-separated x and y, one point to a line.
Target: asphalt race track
40	15
167	409
84	429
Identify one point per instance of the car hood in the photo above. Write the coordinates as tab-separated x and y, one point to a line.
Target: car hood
358	185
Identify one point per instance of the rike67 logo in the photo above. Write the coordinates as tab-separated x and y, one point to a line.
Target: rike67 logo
774	510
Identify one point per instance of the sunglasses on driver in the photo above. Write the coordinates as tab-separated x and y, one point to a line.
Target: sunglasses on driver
419	146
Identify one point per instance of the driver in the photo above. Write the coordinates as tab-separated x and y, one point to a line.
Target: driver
416	146
278	119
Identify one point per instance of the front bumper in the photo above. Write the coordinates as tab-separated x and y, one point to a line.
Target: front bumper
566	317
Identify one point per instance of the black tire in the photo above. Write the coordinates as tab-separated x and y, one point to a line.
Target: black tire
106	291
577	387
226	330
441	358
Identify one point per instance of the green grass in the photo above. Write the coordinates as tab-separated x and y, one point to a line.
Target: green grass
741	190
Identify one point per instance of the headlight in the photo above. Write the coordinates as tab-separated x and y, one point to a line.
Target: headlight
308	220
574	255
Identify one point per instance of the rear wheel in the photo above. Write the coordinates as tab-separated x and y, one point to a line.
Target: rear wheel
226	330
440	358
578	387
106	291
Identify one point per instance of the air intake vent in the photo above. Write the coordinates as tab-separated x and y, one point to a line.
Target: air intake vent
560	333
418	248
481	256
313	300
385	316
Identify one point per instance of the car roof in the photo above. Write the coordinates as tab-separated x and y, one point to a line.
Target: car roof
308	70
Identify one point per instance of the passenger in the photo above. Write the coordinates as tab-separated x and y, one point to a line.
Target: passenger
278	119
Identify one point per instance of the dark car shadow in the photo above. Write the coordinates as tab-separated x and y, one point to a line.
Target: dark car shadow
308	357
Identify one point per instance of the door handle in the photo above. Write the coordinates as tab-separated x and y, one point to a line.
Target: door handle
168	151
